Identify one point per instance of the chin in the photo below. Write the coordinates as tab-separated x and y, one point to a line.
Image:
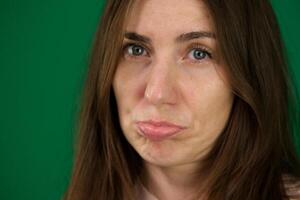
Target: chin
160	155
162	162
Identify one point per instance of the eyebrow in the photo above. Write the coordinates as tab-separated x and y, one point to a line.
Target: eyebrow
181	38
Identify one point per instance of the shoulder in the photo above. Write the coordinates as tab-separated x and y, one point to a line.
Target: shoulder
292	186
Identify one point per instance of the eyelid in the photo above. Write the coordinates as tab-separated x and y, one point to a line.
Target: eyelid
190	47
201	47
130	43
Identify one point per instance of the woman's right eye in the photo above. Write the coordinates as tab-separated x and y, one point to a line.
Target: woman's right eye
135	50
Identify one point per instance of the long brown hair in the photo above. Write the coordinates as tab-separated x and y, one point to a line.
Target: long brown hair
256	147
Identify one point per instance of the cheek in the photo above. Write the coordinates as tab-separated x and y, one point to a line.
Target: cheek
128	78
122	85
125	90
210	100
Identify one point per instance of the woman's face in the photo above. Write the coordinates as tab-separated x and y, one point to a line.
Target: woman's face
170	71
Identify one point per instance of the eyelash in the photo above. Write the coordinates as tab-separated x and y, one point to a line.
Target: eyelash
125	47
195	46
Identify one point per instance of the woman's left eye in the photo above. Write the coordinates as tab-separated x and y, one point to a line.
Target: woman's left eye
198	54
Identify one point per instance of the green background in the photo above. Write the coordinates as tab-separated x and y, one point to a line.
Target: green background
44	50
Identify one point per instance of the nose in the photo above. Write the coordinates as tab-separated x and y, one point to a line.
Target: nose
161	85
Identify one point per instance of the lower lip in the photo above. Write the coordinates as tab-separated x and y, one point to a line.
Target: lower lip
157	133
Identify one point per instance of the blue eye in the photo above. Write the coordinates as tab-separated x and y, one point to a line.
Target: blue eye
199	54
135	50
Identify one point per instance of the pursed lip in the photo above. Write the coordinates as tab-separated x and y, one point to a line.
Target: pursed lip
161	123
158	130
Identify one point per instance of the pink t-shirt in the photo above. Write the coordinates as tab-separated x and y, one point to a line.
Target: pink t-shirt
292	187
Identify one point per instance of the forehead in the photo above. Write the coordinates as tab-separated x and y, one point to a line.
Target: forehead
159	17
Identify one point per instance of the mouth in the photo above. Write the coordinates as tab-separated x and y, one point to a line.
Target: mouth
158	130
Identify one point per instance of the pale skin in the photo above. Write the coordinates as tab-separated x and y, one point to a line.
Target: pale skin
174	78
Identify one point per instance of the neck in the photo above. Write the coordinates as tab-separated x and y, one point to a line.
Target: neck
172	183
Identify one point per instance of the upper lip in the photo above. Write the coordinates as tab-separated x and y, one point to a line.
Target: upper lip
161	123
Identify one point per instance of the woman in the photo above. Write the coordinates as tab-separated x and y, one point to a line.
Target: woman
187	99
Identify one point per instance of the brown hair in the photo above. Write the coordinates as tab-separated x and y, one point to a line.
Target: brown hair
256	147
